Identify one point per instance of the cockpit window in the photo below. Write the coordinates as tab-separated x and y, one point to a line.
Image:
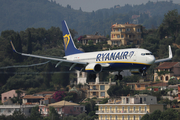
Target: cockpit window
146	54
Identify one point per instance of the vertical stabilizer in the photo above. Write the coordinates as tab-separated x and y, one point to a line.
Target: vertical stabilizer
69	45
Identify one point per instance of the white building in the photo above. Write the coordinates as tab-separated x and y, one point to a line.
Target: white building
9	109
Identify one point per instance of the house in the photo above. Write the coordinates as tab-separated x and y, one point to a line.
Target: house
9	109
165	71
39	98
174	90
148	86
128	107
64	108
94	38
126	34
99	89
11	94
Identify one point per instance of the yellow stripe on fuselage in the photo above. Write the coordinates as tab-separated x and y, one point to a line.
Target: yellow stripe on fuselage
122	62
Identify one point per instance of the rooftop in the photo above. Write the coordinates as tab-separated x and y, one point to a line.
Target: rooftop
63	103
166	65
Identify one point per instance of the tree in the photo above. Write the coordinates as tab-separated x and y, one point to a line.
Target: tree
145	117
17	42
118	90
29	49
155	115
58	95
53	115
18	115
35	114
47	76
169	114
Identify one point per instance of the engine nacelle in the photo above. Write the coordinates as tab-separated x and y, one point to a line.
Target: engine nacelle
93	67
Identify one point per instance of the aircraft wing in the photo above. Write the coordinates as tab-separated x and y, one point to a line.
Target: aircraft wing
165	59
60	60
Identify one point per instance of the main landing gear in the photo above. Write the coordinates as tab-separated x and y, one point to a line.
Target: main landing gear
118	76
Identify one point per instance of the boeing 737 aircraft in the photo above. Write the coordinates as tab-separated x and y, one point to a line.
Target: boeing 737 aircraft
96	62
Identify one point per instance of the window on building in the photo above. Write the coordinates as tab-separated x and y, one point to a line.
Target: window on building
5	98
128	108
139	117
110	117
105	109
167	78
102	87
120	30
116	117
139	109
122	36
94	87
162	78
105	117
102	94
144	99
118	36
123	117
110	109
101	117
145	109
123	100
101	108
138	86
128	117
74	108
134	117
134	109
116	109
122	109
94	93
127	100
146	85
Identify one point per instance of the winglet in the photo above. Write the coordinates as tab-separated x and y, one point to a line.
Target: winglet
13	46
166	59
170	52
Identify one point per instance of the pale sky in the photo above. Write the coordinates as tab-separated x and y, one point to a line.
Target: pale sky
90	5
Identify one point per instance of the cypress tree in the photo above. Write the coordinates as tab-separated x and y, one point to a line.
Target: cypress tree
29	49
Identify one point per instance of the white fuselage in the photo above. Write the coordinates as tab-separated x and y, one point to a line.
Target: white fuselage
133	58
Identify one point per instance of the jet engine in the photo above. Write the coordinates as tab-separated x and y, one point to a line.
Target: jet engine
93	67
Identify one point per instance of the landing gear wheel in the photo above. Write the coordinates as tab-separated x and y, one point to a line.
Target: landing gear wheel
144	73
118	77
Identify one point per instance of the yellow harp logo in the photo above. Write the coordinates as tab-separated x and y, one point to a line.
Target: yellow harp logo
66	40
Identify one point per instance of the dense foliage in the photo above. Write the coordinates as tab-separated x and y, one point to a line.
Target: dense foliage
169	114
58	95
45	13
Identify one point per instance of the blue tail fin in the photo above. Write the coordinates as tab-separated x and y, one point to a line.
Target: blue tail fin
69	45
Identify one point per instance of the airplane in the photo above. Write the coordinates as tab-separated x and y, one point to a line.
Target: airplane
96	62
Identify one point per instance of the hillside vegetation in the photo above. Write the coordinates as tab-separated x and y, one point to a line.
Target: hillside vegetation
19	15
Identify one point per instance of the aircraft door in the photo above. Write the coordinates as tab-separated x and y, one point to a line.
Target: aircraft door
134	57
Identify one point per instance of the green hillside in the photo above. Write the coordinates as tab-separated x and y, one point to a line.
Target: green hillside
19	15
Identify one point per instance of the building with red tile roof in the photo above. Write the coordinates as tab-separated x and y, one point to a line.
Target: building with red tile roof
10	94
44	97
165	71
64	108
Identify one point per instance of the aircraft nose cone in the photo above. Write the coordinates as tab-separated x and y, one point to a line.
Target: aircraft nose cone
151	59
